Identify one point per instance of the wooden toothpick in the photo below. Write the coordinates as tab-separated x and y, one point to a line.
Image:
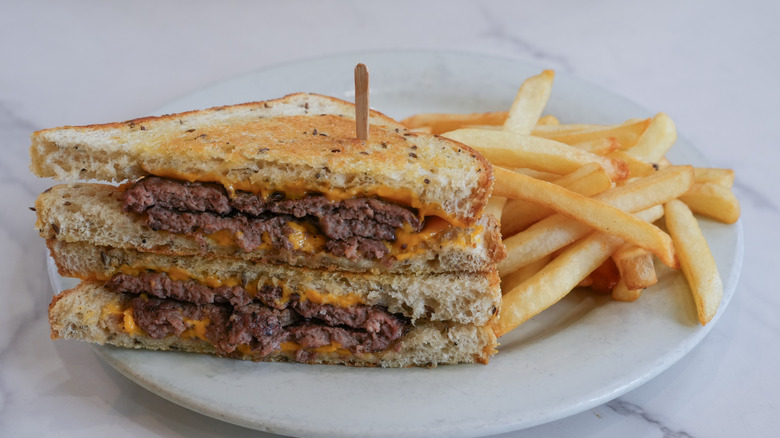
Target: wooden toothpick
361	101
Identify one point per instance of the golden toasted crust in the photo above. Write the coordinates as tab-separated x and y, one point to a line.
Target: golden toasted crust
376	116
238	113
55	333
495	245
299	143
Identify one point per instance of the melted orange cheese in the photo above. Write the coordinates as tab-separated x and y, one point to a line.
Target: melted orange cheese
305	237
222	238
113	308
178	274
336	300
289	347
408	243
335	347
128	323
214	281
295	190
197	328
317	297
245	349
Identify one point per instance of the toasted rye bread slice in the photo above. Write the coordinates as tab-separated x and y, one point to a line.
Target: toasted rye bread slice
464	298
300	143
91	313
92	213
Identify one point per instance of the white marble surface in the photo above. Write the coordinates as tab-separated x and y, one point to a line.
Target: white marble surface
711	65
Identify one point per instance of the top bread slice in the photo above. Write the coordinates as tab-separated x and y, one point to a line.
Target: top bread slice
300	143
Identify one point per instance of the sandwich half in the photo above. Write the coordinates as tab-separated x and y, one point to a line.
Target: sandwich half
272	312
283	181
267	231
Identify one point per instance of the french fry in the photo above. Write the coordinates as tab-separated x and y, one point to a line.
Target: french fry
656	140
495	207
598	213
486	127
603	279
549	119
510	150
696	260
529	103
540	240
423	129
588	180
651	214
578	204
663	162
713	200
554	281
626	133
549	235
636	166
722	177
602	146
657	188
643	196
622	293
515	278
560	128
443	122
537	174
636	267
519	214
525	297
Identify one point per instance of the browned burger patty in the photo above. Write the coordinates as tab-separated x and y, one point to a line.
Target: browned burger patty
355	228
263	322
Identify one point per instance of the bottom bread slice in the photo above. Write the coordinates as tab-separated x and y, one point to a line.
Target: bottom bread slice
90	312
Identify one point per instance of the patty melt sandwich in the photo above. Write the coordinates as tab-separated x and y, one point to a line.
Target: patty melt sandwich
267	231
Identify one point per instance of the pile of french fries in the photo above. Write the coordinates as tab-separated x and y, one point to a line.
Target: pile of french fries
580	204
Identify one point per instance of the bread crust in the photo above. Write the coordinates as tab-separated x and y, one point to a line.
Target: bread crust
376	116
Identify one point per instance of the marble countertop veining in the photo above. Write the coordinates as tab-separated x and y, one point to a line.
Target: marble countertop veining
712	65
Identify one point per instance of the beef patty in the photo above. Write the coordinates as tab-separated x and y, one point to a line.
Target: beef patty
263	322
354	228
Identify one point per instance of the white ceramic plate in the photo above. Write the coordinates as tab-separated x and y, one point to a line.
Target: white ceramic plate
582	352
